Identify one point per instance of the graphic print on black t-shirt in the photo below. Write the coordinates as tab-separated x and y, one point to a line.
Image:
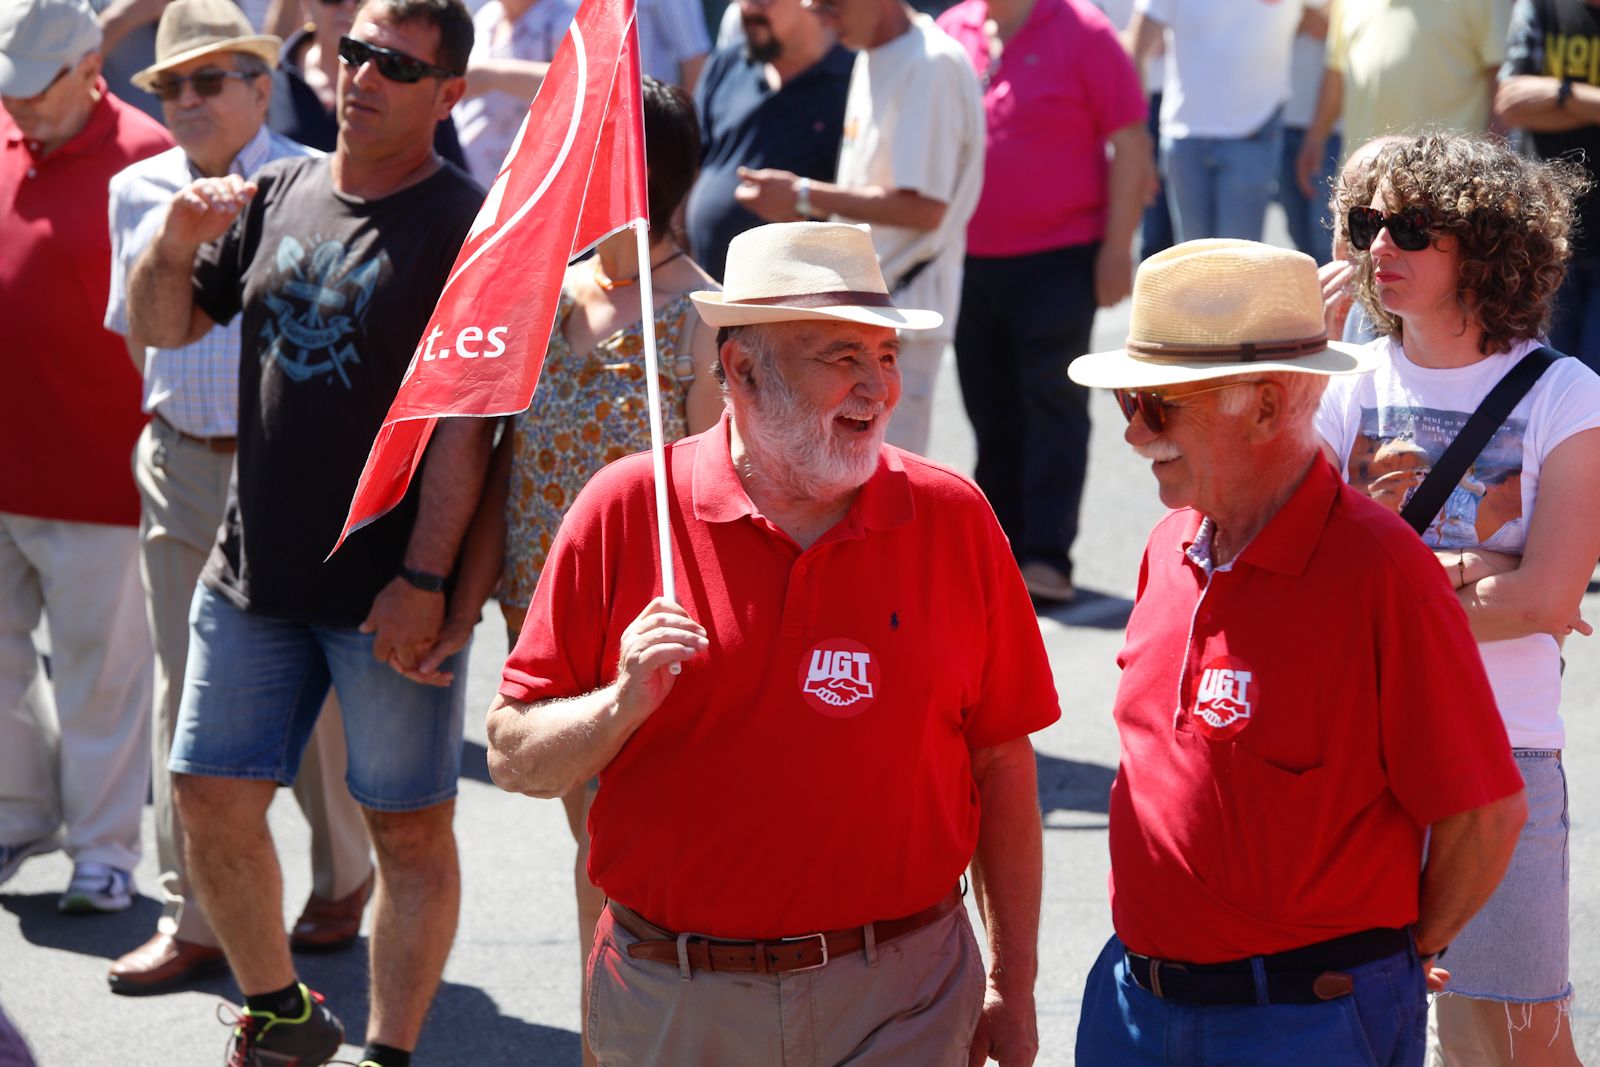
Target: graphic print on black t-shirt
333	292
322	299
1485	507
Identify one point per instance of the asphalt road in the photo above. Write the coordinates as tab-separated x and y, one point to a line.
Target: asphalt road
510	993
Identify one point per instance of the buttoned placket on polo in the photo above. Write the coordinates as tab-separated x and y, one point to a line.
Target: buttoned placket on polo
1199	554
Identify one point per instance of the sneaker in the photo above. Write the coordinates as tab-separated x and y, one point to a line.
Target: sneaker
11	856
262	1039
96	887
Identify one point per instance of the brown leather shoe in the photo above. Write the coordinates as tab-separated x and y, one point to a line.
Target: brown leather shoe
161	964
329	925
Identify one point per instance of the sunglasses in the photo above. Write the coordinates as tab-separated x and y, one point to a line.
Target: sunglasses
396	66
207	83
1153	407
1410	227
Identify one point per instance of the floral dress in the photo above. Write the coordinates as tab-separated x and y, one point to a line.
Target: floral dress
590	408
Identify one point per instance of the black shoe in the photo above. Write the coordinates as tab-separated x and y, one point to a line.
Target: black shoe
263	1039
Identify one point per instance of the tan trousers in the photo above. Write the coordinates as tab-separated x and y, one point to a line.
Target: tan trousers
914	1000
911	425
183	487
72	749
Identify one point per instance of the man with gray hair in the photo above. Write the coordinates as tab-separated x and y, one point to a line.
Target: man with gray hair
212	77
69	415
850	635
1301	706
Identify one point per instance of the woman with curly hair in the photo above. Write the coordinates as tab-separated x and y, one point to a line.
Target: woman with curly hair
1460	246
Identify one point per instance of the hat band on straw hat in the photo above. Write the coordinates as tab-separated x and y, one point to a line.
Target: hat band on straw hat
1243	352
837	298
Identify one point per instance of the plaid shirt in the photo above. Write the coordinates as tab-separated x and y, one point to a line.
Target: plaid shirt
196	387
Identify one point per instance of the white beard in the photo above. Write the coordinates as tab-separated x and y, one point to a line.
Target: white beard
796	445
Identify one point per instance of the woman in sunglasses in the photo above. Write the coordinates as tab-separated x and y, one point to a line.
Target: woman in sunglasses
1459	247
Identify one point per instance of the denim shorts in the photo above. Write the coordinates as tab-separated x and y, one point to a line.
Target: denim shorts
255	685
1515	949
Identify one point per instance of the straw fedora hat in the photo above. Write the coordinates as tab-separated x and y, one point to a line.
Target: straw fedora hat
190	29
1210	309
806	270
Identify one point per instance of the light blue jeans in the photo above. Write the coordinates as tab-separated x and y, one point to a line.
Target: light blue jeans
1382	1023
1219	187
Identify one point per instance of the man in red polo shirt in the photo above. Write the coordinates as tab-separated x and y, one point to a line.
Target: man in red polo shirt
1301	706
782	826
69	417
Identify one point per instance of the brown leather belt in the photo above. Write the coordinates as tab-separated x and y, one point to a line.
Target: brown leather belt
224	445
778	956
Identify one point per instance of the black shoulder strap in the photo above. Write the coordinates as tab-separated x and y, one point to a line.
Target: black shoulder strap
1474	436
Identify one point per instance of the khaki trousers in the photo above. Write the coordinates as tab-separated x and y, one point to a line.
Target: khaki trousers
912	422
183	488
914	1000
72	749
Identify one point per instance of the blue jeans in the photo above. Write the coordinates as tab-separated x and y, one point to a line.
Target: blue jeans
1383	1023
1155	228
253	688
1310	221
1219	186
1576	327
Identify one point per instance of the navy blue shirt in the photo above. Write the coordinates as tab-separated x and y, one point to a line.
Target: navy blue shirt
744	123
297	113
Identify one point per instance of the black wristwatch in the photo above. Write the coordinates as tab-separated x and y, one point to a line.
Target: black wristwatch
1564	93
428	583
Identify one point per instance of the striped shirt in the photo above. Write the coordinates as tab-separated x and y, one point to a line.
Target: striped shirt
196	387
671	31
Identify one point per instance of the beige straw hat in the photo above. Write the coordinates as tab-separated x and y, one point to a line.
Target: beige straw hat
1210	309
190	29
806	270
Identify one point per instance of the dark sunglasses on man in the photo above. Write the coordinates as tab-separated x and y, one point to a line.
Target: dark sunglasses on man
396	66
1153	406
207	82
1411	228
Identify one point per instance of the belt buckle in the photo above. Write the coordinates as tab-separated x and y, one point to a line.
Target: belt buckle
822	939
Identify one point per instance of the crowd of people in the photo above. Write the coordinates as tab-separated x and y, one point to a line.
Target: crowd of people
222	234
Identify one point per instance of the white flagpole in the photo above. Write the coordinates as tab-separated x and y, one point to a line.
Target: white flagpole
652	378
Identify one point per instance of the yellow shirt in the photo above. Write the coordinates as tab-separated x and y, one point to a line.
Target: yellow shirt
1414	63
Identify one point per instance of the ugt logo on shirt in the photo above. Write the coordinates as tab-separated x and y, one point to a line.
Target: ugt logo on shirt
1226	697
839	677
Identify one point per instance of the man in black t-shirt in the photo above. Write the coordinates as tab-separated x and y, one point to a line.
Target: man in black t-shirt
335	265
1550	86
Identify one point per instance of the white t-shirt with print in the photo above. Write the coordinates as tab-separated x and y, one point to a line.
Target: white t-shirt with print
1227	63
1405	415
913	119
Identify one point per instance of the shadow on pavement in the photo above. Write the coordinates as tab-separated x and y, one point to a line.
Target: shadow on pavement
106	936
1070	785
1098	611
467	1029
475	762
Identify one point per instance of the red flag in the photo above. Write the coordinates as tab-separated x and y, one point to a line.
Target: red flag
575	174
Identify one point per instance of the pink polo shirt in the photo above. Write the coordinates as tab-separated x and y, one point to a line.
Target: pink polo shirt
1061	87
